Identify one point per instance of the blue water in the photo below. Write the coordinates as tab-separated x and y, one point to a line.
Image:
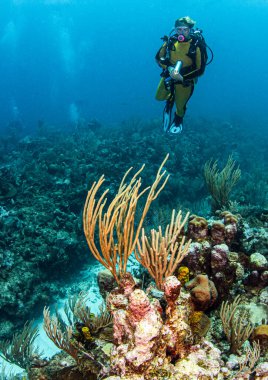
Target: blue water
61	60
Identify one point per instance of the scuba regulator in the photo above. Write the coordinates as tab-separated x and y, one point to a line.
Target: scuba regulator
181	38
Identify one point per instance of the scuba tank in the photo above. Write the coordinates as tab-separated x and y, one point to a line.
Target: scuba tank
198	40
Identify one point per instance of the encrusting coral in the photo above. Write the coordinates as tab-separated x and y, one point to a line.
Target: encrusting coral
209	251
137	328
183	274
150	341
197	228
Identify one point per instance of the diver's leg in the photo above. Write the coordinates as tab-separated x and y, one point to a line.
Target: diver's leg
182	96
162	93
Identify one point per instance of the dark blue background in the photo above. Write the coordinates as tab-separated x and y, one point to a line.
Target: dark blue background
99	56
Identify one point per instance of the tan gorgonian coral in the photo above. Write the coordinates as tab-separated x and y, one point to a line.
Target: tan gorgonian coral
237	328
118	228
220	183
162	253
60	335
21	350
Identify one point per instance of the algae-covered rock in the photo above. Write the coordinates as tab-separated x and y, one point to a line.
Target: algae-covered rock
258	261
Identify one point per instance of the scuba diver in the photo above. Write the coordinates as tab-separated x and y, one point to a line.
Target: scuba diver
183	58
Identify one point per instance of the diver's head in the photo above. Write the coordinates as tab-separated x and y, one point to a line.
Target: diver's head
183	28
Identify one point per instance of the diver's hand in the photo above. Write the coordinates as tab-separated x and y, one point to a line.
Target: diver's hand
176	76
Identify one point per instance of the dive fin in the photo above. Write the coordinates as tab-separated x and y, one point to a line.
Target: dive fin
176	125
175	129
167	115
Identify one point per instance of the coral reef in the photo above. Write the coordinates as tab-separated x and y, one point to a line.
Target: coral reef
161	333
166	324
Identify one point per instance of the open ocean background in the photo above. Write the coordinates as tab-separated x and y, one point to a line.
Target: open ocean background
95	59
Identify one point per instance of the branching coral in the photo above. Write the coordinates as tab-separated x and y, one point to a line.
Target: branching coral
21	350
76	309
60	336
77	314
77	339
220	183
118	229
237	329
162	254
247	364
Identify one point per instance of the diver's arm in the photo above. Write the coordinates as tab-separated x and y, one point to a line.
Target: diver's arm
161	54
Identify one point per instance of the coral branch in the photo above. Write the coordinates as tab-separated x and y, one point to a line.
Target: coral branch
162	254
117	232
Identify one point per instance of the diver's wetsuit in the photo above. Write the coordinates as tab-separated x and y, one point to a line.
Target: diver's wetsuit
189	71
